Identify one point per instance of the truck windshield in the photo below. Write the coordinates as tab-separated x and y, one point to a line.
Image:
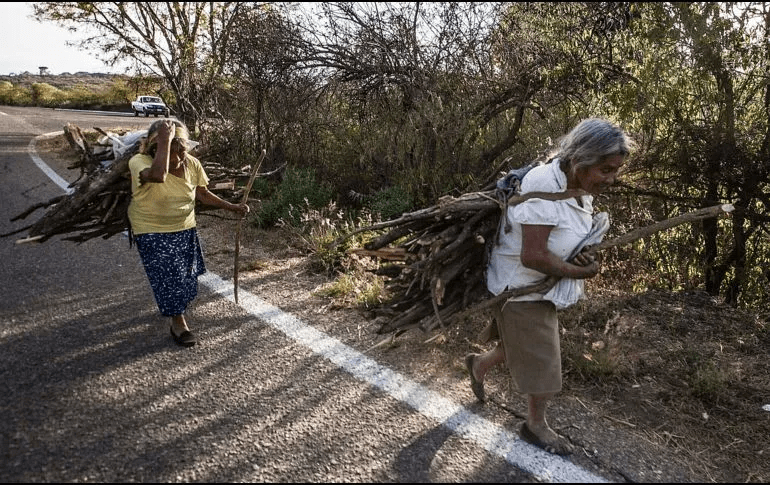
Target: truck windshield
151	100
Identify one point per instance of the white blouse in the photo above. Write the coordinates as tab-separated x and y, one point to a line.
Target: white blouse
571	224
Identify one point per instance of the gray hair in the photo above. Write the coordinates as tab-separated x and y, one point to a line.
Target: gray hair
591	142
156	125
150	142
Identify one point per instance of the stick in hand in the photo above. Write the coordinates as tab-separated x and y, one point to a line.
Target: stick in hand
245	199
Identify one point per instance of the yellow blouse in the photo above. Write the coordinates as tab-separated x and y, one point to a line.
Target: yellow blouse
167	206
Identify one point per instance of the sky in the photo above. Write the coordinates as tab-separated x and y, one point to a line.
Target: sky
26	44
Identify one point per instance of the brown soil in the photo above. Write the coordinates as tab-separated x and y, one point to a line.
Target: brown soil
681	372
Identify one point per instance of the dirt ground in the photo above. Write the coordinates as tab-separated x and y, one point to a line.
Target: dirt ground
680	371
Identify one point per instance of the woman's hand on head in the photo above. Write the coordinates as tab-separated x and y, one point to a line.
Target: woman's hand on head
166	130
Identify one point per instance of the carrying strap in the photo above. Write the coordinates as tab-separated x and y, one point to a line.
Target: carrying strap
505	188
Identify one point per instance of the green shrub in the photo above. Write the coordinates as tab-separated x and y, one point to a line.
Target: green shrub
118	92
322	230
80	96
260	189
14	95
43	94
5	90
390	202
299	189
707	381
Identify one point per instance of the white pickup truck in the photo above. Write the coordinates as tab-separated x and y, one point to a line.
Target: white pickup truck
149	105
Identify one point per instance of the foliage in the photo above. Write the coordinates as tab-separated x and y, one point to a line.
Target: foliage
297	191
356	284
72	91
695	97
321	229
43	94
14	95
707	381
390	202
428	99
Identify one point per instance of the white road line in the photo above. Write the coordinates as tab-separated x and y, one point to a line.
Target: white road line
4	114
44	167
493	438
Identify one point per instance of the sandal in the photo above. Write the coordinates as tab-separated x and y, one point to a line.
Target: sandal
476	386
185	339
560	447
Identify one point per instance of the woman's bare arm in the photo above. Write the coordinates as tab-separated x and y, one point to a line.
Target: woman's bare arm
536	255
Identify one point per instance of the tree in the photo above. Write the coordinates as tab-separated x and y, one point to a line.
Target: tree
697	96
185	43
439	96
265	96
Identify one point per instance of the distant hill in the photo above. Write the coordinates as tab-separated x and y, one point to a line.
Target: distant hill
65	80
112	92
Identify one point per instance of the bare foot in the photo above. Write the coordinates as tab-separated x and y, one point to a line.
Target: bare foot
546	438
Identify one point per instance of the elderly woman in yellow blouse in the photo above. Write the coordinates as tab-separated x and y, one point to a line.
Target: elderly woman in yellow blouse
542	237
165	183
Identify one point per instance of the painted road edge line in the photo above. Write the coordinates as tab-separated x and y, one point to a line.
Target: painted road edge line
490	436
44	166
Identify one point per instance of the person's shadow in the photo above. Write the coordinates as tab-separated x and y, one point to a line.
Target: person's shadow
415	461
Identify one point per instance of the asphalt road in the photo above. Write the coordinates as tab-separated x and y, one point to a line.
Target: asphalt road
93	389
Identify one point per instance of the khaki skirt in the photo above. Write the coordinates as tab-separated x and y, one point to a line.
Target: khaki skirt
529	332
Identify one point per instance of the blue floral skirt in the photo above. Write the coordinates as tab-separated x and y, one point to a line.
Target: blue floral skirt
173	261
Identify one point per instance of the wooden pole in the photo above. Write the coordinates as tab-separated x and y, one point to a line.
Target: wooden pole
244	199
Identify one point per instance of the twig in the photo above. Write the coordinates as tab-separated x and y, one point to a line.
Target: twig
581	403
504	406
272	172
643	232
387	341
619	421
29	240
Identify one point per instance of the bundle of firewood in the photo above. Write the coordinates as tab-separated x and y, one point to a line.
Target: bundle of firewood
97	202
435	271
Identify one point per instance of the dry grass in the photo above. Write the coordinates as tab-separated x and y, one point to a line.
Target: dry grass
685	370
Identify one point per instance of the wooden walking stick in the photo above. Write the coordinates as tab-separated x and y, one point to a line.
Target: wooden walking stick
244	199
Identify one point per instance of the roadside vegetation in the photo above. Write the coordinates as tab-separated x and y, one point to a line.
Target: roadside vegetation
77	91
389	108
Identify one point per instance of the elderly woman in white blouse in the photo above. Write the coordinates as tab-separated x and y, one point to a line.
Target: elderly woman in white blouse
538	243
